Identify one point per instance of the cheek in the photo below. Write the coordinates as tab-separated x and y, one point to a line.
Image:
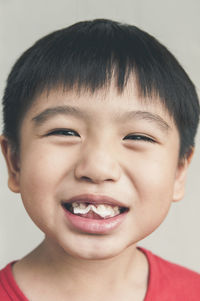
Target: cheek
154	193
153	180
155	173
43	166
42	171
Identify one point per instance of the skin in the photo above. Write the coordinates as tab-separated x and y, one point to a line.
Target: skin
106	155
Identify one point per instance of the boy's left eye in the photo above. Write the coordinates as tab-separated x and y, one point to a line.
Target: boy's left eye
138	137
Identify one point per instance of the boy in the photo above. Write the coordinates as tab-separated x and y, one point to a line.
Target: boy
99	126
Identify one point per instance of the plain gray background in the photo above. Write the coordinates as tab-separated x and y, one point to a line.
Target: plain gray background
177	25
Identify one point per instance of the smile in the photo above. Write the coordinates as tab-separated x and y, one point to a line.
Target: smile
94	214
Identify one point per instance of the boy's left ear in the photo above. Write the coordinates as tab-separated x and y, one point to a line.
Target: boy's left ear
181	173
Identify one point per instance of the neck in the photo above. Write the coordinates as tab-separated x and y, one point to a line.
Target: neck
130	264
127	269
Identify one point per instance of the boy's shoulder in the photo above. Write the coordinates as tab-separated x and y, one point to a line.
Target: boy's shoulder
9	289
169	281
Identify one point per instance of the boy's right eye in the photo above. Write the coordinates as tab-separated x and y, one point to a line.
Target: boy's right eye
63	132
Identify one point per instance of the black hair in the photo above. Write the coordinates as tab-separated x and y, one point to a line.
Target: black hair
88	55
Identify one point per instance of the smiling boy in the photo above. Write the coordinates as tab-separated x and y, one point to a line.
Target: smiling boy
99	127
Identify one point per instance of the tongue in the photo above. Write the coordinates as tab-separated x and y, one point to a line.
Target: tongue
91	215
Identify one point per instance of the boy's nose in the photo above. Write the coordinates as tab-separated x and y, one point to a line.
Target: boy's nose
97	164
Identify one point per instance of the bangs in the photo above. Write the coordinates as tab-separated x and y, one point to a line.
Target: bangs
88	55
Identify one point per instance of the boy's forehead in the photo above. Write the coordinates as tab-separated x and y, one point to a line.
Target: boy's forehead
103	103
129	98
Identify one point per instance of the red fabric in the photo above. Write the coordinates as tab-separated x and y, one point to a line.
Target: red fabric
170	282
9	289
167	282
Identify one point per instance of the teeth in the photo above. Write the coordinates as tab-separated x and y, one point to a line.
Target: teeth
79	205
82	206
103	210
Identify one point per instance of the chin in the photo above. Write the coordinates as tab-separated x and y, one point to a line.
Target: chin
95	254
94	250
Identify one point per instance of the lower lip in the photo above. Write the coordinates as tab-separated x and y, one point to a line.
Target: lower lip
95	226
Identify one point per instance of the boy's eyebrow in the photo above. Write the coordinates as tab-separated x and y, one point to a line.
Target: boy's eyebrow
73	111
59	110
145	115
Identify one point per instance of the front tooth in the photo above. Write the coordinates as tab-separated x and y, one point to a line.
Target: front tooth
102	207
105	210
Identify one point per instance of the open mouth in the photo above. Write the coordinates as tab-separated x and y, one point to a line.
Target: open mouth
94	210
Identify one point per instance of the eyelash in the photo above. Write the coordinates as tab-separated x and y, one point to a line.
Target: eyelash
62	132
137	137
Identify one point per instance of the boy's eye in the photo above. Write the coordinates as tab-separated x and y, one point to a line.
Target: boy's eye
63	132
138	137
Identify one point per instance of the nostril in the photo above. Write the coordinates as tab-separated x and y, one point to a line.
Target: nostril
86	179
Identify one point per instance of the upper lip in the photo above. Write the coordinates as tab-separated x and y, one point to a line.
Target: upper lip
95	199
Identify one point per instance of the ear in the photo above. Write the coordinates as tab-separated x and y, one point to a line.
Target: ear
12	162
181	173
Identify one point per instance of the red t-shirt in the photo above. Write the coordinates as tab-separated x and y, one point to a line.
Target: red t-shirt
167	282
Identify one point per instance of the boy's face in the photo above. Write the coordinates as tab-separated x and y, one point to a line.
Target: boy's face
131	157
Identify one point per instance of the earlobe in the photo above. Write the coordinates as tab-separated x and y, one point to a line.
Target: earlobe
181	173
12	162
